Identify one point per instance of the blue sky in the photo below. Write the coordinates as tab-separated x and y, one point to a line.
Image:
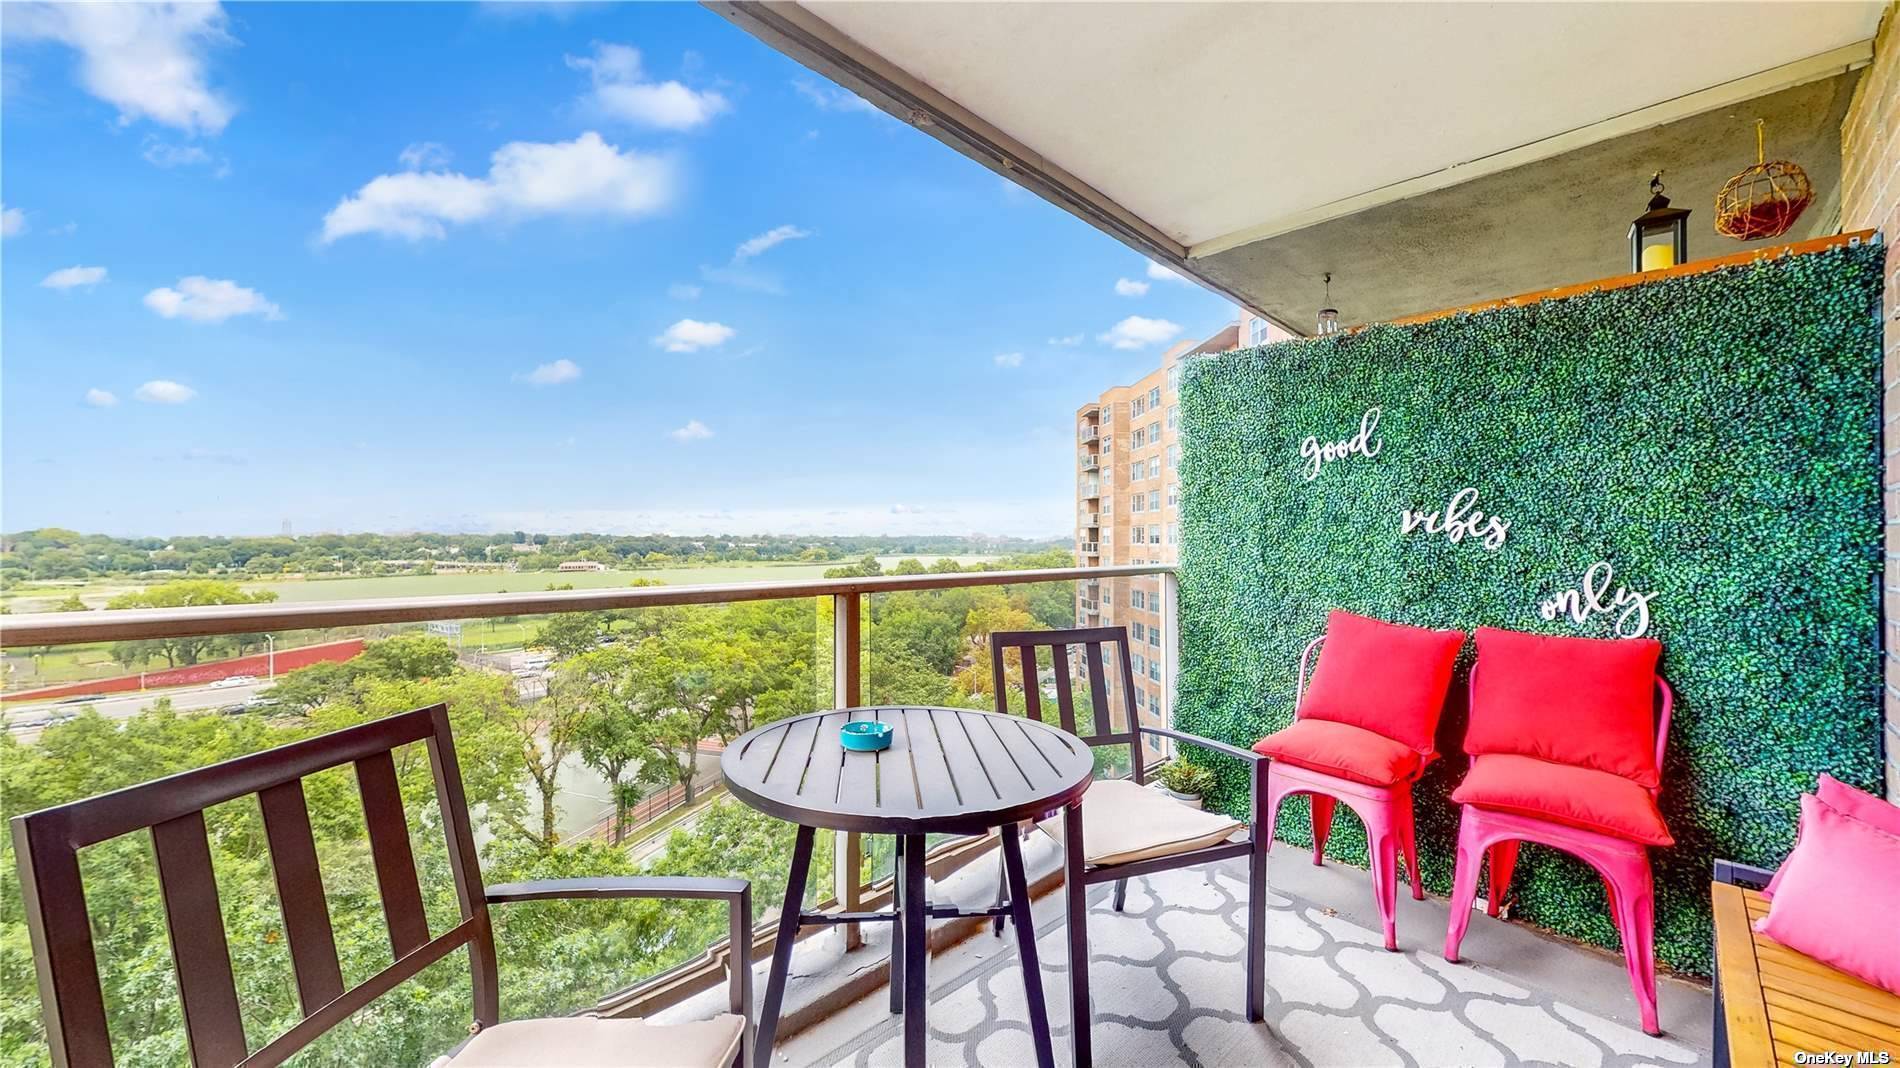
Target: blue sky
444	266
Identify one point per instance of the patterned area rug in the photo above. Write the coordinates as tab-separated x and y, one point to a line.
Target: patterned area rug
1168	982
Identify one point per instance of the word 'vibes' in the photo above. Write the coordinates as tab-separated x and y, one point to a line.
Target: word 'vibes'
1592	597
1459	519
1318	453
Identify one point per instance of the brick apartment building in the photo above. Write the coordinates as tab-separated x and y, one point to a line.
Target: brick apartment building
1127	499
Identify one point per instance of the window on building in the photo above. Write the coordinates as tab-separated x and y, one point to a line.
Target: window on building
1137	406
1154	468
1154	670
1174	379
1154	432
1154	636
1174	533
1135	503
1257	331
1154	397
1174	416
1154	500
1137	536
1108	444
1108	413
1141	698
1174	496
1138	438
1154	534
1138	599
1174	457
1108	596
1140	632
1140	663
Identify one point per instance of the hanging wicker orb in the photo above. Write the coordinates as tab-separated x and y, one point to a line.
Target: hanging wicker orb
1764	200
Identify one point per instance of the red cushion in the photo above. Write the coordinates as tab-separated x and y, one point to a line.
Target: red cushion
1564	793
1583	701
1385	677
1343	750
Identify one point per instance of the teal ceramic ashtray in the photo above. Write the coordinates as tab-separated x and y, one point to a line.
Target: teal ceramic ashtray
865	736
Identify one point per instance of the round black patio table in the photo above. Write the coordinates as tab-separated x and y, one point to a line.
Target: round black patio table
948	770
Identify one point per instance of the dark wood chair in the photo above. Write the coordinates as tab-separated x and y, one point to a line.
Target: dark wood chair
1123	830
47	845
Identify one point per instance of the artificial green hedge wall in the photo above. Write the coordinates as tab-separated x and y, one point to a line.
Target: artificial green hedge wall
1715	438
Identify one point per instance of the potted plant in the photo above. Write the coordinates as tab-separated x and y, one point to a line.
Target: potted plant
1184	782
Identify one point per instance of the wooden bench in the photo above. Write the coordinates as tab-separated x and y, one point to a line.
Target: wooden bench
1772	1003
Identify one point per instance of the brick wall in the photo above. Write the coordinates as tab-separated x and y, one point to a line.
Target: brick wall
1870	198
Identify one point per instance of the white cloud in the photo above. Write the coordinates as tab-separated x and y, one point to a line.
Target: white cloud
691	335
167	155
1138	332
1167	274
423	156
585	176
1066	340
147	60
694	430
100	398
12	221
832	98
777	235
1128	287
621	92
74	277
683	291
209	300
552	374
164	391
1009	359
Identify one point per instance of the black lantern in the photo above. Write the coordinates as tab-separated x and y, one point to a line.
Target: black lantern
1659	237
1328	322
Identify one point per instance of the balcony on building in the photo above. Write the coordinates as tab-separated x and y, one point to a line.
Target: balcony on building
1501	181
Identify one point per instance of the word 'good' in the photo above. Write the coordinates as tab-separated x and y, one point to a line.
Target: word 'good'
1458	520
1318	452
1592	598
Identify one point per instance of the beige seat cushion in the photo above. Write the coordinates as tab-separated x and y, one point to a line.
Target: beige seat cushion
590	1042
1123	822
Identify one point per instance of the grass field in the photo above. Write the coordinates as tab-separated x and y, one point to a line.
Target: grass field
39	597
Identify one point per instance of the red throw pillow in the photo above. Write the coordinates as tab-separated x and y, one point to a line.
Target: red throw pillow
1589	702
1849	802
1387	678
1839	895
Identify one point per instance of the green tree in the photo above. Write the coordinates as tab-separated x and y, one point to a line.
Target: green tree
72	603
608	735
570	634
409	656
183	594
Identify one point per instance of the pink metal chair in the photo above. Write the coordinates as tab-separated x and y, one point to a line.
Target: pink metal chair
1373	775
1622	862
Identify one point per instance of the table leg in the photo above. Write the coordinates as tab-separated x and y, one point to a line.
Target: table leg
897	928
1018	883
916	955
782	946
1076	894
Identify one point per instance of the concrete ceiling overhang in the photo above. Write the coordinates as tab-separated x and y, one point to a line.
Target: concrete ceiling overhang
1197	131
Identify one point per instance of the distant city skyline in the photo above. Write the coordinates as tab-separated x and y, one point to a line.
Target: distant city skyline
456	267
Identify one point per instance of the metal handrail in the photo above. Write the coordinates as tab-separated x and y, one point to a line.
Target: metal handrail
127	624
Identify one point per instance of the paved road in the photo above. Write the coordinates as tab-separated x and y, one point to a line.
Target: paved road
26	721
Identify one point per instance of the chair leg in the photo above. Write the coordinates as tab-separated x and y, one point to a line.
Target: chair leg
1503	863
1121	894
1322	825
1408	841
1632	900
1075	894
1464	886
1383	852
1257	928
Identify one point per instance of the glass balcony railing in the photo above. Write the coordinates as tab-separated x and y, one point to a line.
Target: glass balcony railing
588	725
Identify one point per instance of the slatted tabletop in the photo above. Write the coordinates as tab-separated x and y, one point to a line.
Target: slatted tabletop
947	770
1780	1003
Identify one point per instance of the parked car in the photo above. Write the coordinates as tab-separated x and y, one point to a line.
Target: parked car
233	680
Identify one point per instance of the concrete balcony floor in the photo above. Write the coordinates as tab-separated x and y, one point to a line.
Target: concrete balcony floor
1168	984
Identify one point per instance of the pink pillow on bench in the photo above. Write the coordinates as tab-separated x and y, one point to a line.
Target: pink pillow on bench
1840	890
1857	804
